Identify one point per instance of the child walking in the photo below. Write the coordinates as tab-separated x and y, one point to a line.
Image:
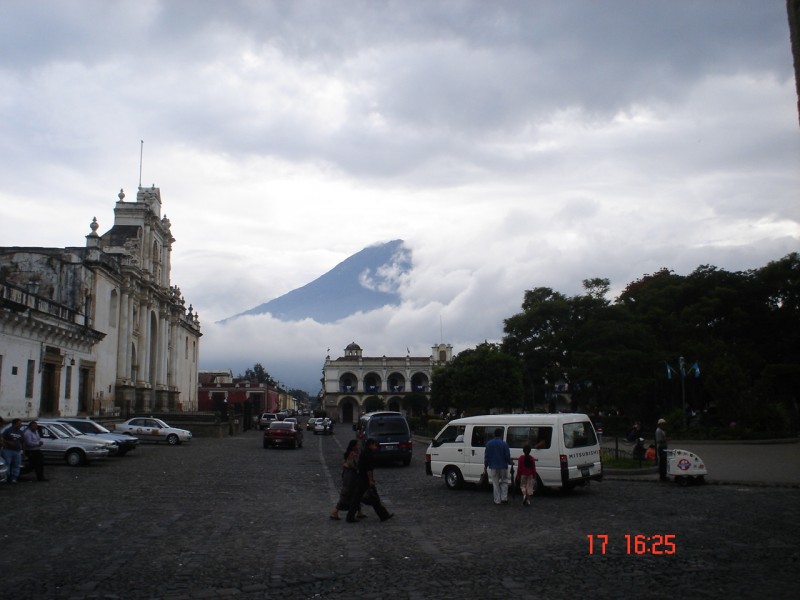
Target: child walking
526	474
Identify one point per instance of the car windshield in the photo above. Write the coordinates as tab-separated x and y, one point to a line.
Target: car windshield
60	430
161	424
92	425
281	425
72	430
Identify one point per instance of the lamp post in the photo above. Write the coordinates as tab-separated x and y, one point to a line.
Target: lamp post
682	371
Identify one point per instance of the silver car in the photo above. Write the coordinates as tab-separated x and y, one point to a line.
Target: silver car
149	429
111	445
60	445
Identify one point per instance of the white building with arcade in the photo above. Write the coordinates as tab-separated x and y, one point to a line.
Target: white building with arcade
350	380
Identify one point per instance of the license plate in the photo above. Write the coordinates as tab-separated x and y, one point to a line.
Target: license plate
390	447
585	471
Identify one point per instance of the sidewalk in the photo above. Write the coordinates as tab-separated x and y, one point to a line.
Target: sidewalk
765	463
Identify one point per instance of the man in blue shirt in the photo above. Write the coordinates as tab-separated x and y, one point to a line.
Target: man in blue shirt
12	449
496	460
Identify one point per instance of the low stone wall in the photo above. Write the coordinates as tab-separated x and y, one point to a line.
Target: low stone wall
201	424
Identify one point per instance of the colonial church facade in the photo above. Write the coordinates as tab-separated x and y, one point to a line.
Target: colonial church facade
350	380
98	329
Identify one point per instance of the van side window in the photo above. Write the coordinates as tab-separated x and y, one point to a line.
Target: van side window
537	437
480	435
579	435
449	435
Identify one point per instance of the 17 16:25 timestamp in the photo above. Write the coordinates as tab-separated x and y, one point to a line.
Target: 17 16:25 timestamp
655	545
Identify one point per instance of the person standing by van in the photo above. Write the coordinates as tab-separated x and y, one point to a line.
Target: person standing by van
496	460
661	449
526	474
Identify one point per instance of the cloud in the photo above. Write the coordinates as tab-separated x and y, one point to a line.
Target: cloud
511	144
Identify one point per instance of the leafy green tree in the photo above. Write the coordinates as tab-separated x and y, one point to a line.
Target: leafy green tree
478	380
415	403
373	403
258	374
302	396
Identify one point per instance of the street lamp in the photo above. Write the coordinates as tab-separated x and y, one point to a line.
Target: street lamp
682	371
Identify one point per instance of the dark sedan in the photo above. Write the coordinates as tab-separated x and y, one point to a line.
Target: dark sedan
283	433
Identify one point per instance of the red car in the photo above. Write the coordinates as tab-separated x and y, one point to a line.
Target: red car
283	433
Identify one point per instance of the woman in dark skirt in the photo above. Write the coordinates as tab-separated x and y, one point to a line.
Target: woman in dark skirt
349	472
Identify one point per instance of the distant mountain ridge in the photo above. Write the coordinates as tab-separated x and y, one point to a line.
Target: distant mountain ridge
365	281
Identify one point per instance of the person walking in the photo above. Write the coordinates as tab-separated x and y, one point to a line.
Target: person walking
32	444
12	449
661	449
496	460
349	473
365	482
526	474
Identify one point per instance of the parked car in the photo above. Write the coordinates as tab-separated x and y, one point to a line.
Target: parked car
3	470
111	445
125	443
60	445
148	429
265	419
283	433
323	427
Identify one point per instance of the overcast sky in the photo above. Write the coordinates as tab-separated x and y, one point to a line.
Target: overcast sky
511	144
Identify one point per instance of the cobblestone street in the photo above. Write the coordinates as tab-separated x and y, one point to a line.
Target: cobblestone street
224	518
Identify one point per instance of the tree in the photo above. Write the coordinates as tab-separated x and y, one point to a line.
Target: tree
415	403
373	403
478	380
547	332
258	374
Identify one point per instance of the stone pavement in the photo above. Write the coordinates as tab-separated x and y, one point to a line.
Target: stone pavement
224	518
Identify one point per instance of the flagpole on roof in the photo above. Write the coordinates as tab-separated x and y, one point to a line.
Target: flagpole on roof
141	155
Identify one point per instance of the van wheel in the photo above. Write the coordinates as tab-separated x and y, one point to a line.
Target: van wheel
453	478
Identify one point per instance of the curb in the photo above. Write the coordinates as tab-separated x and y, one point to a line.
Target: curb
758	484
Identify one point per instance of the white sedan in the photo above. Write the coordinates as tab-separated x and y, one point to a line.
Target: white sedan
148	429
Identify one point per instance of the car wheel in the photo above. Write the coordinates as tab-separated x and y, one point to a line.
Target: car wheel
406	461
173	440
453	478
266	445
122	452
74	458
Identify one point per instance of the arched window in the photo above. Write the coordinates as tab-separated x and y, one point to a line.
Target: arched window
113	308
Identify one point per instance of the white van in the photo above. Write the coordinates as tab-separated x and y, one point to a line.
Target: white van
565	448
